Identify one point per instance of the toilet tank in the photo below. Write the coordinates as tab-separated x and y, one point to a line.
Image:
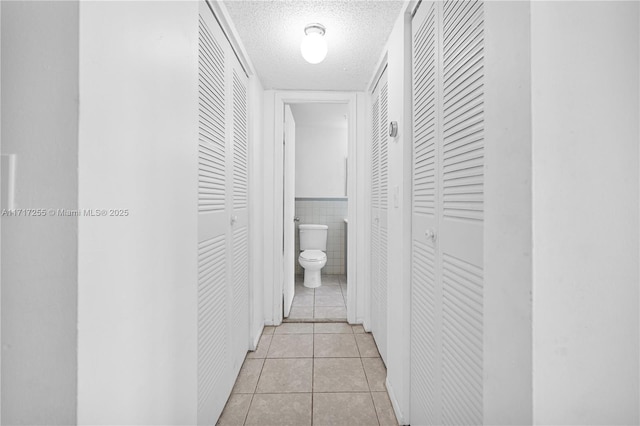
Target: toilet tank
313	237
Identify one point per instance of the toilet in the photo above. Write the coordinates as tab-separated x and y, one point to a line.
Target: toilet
313	244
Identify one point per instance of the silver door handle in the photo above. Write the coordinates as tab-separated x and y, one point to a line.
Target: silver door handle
234	219
430	234
296	219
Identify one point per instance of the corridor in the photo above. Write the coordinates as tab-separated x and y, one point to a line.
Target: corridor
311	374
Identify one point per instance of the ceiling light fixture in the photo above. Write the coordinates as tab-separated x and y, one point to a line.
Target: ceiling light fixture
314	46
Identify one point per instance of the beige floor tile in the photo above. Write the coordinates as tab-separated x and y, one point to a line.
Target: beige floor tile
286	375
328	290
295	328
301	290
248	376
303	300
335	346
343	409
235	411
332	328
331	280
280	409
366	345
384	409
330	312
339	375
358	328
263	347
376	374
268	329
301	312
329	300
343	280
291	346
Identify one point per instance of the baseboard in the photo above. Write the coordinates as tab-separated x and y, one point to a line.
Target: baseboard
394	403
253	343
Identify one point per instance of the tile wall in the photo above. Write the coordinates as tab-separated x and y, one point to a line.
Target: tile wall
331	212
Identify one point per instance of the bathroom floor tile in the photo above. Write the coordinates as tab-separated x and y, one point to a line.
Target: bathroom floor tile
332	328
286	375
301	290
248	376
343	409
280	409
328	290
330	312
335	346
339	375
301	312
384	409
331	280
304	300
376	374
366	345
291	346
236	410
329	300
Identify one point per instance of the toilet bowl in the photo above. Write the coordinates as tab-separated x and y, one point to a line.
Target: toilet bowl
313	243
312	261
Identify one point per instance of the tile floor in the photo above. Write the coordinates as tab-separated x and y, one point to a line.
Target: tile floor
311	374
327	302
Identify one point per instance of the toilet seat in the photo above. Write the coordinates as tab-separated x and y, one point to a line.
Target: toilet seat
313	256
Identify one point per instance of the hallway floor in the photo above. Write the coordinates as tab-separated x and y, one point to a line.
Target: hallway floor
327	302
311	374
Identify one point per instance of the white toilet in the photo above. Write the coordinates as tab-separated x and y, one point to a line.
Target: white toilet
313	244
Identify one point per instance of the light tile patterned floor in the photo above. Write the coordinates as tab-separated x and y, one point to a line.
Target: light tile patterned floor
327	302
318	374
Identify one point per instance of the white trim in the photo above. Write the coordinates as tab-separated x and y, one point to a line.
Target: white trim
394	403
226	23
355	195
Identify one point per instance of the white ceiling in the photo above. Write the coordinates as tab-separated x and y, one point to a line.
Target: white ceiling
320	115
356	32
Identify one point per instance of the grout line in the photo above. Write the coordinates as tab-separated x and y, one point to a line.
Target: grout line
313	366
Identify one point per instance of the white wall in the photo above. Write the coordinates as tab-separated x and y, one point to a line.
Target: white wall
585	210
321	153
256	226
137	312
507	212
399	217
39	254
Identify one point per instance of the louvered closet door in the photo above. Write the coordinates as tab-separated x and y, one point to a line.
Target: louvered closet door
222	219
447	277
240	217
426	294
379	206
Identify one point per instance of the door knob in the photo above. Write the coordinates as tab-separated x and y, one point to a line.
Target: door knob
234	219
430	234
296	219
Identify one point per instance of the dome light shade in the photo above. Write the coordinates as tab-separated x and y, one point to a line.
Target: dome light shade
314	46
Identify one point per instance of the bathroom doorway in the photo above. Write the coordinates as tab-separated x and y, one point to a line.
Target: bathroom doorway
315	189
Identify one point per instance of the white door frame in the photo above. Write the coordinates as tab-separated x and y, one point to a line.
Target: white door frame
355	194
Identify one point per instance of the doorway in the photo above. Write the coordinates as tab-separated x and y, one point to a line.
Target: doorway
284	265
315	211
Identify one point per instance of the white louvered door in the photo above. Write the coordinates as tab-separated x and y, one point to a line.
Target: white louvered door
223	278
447	214
379	208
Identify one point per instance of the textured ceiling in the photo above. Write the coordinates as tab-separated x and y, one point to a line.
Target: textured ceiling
356	32
320	115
